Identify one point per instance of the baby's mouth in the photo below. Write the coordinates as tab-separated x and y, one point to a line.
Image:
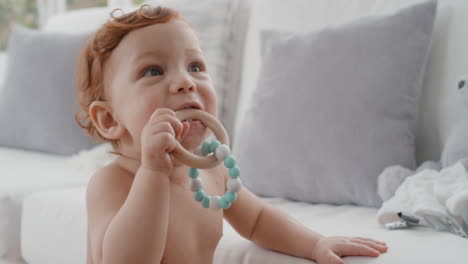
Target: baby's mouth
194	123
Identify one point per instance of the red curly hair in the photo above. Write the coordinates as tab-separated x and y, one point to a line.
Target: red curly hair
89	81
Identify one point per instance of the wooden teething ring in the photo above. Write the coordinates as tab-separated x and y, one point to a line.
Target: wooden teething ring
196	161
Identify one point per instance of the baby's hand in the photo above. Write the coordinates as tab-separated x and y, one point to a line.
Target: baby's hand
159	137
329	250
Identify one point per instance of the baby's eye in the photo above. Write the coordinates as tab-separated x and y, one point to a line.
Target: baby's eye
195	67
153	71
461	84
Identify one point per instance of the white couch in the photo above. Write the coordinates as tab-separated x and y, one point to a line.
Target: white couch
45	194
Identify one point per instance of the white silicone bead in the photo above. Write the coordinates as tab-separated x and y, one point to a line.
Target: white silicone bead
195	184
214	202
234	185
222	152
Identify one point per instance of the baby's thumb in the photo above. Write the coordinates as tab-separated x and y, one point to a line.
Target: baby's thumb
333	258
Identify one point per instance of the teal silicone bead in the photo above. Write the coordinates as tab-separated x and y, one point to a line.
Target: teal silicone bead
229	161
234	184
230	196
193	172
199	195
234	172
214	144
206	148
224	203
206	202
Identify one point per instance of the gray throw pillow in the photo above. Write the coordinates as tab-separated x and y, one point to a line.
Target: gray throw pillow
333	108
37	104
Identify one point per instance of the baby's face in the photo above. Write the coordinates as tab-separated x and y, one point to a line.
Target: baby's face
158	66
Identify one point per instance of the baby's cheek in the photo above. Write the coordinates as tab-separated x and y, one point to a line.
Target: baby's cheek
143	117
138	116
211	102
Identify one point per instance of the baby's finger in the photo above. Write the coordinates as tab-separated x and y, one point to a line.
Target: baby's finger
370	239
163	127
356	249
334	259
162	111
176	124
370	243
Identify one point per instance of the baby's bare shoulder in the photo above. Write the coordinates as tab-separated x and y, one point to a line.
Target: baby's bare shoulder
109	185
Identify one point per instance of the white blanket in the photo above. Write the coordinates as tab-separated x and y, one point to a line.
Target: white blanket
90	160
438	199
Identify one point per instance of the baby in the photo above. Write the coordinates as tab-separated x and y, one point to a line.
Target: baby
133	74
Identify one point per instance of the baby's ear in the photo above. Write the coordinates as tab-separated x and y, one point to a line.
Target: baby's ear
104	121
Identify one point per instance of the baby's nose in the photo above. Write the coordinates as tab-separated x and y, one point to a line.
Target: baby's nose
182	89
183	84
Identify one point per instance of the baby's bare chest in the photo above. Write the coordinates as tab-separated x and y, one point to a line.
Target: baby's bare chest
193	231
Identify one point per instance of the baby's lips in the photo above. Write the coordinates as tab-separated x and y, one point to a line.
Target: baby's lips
189	104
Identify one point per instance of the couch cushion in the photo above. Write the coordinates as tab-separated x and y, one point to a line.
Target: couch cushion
336	107
37	101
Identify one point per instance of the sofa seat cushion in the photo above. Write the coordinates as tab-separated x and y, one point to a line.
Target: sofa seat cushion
22	173
54	232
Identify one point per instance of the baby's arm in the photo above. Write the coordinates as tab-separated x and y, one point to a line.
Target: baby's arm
128	217
273	229
269	227
127	221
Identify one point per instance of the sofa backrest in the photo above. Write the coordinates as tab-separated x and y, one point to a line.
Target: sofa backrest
440	107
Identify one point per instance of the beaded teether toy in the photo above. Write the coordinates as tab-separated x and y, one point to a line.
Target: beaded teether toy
220	153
